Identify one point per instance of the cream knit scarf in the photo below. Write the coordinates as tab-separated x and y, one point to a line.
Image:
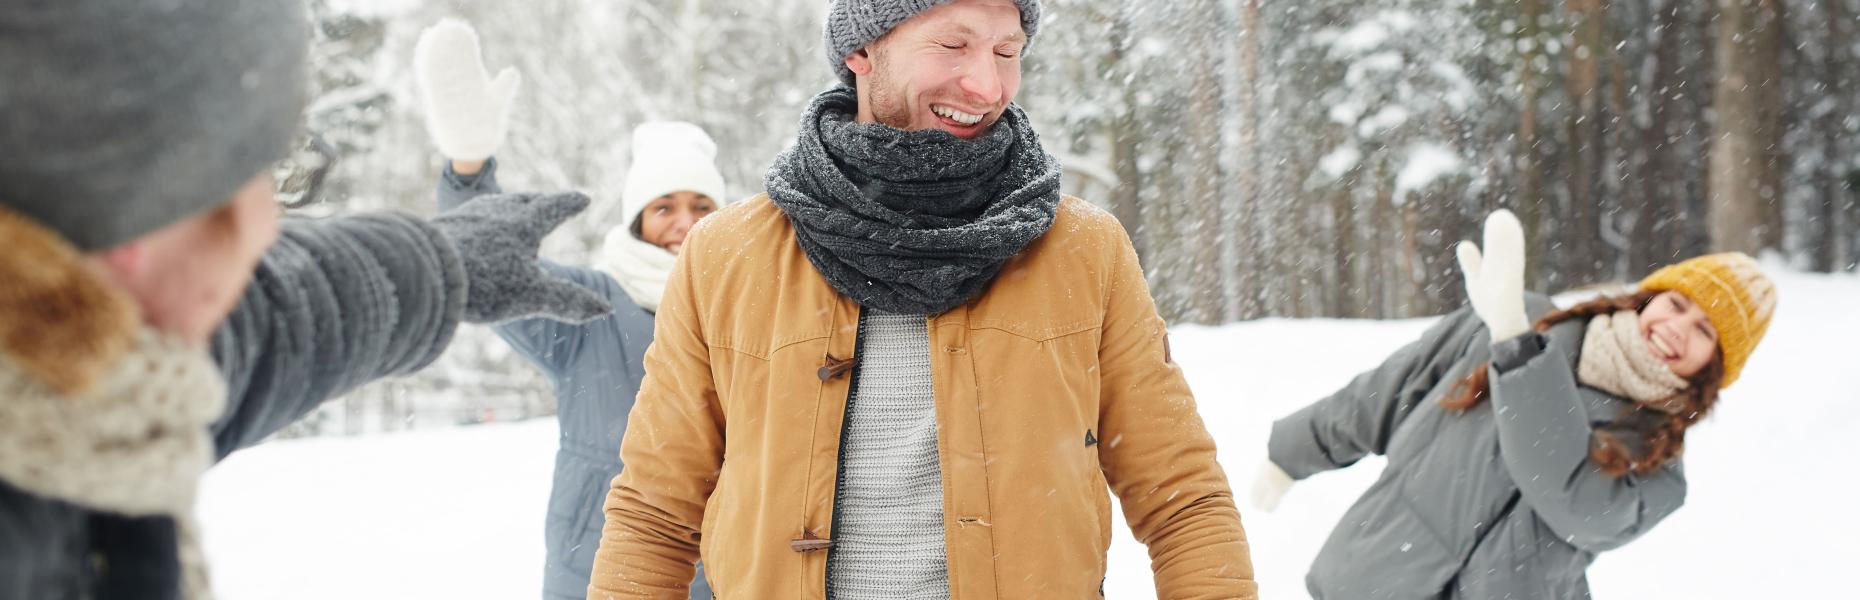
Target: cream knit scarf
134	444
641	268
1615	359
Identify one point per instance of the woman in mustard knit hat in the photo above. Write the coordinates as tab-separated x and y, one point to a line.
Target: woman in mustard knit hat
1519	447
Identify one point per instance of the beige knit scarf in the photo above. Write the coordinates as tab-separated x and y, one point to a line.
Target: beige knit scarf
135	443
1615	359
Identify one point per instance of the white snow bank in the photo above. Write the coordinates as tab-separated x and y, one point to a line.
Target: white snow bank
458	513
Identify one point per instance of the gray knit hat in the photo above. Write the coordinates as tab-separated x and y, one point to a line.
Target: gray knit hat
855	24
119	118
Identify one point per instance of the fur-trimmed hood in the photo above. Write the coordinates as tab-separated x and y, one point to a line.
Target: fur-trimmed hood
59	320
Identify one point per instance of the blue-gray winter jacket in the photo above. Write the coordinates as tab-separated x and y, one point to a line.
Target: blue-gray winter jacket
596	370
1501	501
334	304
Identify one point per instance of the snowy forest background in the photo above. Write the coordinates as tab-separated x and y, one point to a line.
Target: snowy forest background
1271	158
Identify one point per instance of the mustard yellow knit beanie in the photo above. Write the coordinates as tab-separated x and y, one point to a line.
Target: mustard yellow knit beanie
1734	293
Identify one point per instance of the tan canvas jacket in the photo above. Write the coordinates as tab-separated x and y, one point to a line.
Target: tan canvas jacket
1051	388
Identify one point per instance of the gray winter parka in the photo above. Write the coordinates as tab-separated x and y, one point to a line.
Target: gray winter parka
596	370
1501	501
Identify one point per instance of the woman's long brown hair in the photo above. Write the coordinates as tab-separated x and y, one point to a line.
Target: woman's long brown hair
1664	435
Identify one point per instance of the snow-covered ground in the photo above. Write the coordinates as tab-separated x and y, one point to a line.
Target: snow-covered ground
458	513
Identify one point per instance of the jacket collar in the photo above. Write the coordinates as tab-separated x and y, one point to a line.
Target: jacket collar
60	321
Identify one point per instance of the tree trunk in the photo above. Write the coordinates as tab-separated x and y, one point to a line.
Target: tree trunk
1125	136
1772	44
1830	249
1655	235
1410	272
1380	275
1580	234
1528	201
1204	174
1741	164
1243	244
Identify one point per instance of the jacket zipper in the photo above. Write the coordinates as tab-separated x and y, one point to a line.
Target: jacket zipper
1498	521
839	464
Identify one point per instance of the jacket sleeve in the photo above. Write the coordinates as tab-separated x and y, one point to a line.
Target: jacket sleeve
455	189
1544	437
1156	453
1359	419
673	452
334	304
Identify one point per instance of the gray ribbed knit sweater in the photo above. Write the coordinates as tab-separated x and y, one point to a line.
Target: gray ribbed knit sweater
888	540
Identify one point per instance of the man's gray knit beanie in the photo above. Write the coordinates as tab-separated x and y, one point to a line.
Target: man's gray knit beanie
120	118
854	24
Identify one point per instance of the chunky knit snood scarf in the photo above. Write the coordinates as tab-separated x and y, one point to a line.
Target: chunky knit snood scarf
912	222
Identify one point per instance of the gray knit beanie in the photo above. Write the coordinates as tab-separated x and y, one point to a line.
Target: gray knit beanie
855	24
119	118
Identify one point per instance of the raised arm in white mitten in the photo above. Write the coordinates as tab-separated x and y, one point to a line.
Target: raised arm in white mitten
467	112
1495	281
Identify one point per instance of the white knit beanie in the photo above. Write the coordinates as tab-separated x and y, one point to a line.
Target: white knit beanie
669	157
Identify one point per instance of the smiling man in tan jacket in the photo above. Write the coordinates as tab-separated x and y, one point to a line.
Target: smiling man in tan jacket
912	368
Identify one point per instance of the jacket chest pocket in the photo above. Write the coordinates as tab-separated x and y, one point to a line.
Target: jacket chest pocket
758	369
1036	358
1039	375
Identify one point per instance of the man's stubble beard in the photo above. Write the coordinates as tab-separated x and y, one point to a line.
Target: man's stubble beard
888	105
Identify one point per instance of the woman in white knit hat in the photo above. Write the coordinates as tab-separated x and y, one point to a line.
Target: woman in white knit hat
595	367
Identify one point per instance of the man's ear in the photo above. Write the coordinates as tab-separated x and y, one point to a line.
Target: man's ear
859	62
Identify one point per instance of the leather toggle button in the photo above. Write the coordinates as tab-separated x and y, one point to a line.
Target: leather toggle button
808	542
836	367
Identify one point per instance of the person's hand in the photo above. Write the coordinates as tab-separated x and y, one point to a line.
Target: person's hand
1269	485
467	112
1495	281
497	237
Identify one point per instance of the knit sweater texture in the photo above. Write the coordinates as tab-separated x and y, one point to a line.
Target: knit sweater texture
888	540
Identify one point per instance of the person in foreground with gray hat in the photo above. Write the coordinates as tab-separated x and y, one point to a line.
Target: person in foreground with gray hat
912	368
155	316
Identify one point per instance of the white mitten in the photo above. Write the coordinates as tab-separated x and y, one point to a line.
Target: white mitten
1495	281
1269	485
467	113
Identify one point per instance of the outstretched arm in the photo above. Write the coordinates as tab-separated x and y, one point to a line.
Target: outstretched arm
334	304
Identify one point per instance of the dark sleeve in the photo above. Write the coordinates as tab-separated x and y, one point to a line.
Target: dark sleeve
335	304
1359	419
455	189
1544	437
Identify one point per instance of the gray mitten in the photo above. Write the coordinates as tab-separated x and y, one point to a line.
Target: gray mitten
497	236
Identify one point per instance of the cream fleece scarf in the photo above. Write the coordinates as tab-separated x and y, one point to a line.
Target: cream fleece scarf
641	268
135	443
1615	359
